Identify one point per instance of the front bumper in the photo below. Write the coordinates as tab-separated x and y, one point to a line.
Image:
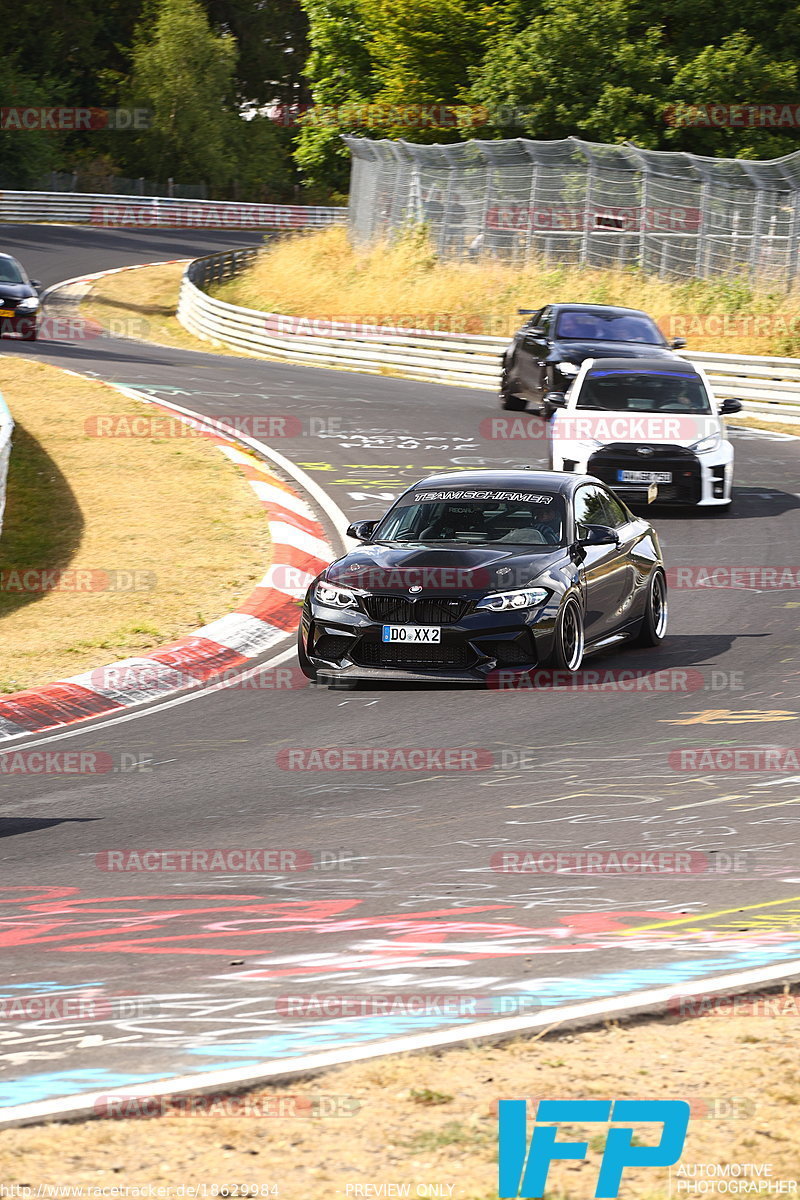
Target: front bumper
17	324
698	480
347	644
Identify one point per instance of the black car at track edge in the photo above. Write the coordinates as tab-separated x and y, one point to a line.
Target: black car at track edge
473	572
546	353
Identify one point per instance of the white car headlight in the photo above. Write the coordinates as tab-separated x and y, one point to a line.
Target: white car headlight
337	597
29	305
568	369
520	598
712	442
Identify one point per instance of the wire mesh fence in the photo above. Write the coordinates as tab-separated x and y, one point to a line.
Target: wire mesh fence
673	214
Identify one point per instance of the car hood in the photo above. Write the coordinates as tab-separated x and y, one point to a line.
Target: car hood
632	429
444	571
576	352
16	291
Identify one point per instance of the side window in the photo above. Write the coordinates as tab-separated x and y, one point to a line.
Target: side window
545	320
616	515
589	508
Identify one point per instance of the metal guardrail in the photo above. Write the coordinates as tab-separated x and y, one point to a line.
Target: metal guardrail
6	430
78	208
767	386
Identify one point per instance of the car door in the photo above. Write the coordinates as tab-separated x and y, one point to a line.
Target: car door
606	572
534	354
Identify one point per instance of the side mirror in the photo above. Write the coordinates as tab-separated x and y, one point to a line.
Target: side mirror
535	333
361	530
731	405
599	535
678	343
555	399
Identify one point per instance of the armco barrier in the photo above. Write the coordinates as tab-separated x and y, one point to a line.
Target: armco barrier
6	430
767	386
74	208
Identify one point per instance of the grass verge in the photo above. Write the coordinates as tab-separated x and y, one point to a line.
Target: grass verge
430	1119
141	304
403	283
172	509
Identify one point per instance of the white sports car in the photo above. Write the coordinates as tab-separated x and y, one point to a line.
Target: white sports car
651	430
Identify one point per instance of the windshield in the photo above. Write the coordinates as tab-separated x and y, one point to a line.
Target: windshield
607	327
644	391
476	518
10	271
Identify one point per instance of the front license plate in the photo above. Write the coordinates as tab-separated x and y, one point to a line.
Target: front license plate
644	476
6	312
412	633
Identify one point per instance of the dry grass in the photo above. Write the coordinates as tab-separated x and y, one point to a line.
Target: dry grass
321	275
429	1119
174	507
141	304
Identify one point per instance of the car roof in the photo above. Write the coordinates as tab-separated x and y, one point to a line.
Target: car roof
521	480
662	364
601	309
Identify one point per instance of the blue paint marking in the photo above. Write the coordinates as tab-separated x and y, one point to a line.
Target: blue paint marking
66	1083
303	1039
50	985
288	1043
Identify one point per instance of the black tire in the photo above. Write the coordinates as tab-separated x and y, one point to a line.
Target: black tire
305	665
568	642
508	400
656	614
512	403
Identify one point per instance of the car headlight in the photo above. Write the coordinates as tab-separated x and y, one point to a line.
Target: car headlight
337	597
29	305
568	369
712	442
519	598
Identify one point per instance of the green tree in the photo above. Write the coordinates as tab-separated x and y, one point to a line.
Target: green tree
184	73
339	72
739	71
580	67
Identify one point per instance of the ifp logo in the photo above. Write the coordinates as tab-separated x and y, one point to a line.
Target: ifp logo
523	1169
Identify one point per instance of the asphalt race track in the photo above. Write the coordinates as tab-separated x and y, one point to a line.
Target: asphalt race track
196	967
